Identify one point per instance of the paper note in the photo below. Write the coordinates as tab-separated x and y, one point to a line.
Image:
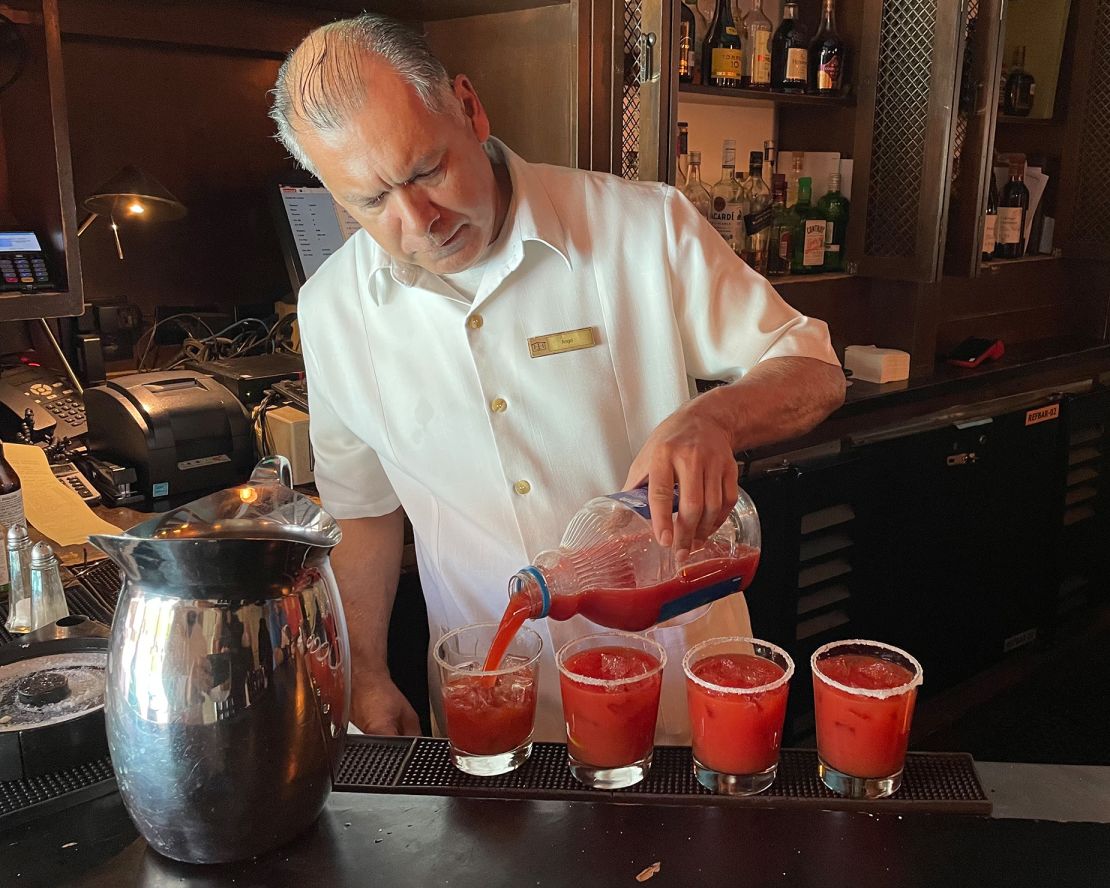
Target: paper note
55	511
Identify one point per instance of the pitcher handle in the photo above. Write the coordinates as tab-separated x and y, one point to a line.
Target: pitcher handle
273	470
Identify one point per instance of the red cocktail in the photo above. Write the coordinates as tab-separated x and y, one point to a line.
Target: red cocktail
489	713
737	689
863	696
610	684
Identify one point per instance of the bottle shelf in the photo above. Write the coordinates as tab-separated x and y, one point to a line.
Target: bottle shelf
1037	257
1017	120
716	95
822	277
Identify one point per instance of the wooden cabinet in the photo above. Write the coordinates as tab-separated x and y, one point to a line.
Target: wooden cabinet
36	179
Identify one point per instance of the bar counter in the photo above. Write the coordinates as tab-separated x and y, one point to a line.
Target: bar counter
370	839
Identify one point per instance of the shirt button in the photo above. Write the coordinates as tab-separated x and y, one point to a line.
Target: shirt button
474	321
522	487
498	405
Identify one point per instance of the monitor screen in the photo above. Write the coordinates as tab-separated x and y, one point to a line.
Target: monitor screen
19	242
317	227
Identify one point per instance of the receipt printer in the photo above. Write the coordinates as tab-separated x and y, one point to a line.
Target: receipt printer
180	430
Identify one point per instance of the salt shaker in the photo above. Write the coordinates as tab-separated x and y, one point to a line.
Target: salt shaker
19	578
48	599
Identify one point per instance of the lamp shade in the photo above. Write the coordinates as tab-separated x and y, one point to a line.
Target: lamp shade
131	186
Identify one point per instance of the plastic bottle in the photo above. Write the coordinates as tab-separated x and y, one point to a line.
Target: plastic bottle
610	569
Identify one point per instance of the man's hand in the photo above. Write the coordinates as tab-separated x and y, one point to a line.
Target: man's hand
692	448
378	707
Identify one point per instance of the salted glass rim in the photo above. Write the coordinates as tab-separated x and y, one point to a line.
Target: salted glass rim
501	670
561	655
877	693
787	674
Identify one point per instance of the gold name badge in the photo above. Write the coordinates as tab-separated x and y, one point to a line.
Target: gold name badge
557	343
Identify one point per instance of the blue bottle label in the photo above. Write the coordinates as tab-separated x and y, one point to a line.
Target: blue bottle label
637	501
698	597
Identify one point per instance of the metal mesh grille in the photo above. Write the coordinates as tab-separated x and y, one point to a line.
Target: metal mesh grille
901	121
1091	223
967	93
630	92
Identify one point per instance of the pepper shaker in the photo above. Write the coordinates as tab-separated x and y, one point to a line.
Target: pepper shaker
19	578
48	599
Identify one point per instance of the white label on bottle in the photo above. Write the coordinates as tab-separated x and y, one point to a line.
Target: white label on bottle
11	509
784	245
1032	90
797	64
813	247
990	229
761	57
1009	225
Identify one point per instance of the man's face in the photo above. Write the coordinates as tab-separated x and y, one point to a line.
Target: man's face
417	180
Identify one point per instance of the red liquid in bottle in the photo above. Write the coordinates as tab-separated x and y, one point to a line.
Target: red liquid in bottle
736	733
856	734
610	725
634	610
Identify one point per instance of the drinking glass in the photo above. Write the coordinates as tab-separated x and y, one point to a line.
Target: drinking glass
736	688
610	684
490	713
863	696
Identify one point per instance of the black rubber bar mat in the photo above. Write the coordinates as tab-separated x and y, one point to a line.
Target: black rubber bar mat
933	782
33	797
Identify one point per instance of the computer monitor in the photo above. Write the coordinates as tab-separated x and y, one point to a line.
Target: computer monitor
311	226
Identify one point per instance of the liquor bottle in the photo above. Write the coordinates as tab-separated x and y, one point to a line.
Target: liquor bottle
990	221
695	191
723	57
11	494
809	235
792	180
757	32
757	219
726	210
682	160
783	222
789	55
770	155
610	569
834	208
1012	207
686	36
826	55
1020	87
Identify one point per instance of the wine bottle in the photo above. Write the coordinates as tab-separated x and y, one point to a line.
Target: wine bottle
758	31
826	55
686	37
723	56
789	55
1012	207
990	221
783	222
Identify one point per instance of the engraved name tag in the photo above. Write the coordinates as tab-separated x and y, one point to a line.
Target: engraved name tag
557	343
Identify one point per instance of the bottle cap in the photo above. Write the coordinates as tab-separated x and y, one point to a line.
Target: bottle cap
1017	165
695	157
755	158
730	143
834	181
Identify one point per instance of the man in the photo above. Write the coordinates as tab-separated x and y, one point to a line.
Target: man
429	390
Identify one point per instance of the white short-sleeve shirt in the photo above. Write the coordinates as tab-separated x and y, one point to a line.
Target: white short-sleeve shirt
424	399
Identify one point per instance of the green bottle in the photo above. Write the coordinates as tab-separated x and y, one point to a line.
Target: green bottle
809	236
834	208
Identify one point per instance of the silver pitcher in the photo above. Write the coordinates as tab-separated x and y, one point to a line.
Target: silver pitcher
229	670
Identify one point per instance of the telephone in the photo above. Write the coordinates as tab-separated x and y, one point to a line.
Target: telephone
54	404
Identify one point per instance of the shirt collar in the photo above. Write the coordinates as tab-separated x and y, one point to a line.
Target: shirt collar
535	218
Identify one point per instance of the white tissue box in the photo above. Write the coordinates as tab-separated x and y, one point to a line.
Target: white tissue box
872	364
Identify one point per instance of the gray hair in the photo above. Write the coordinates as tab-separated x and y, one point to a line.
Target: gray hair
320	83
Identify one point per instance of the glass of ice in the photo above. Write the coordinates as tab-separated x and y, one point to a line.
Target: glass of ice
490	713
736	688
863	698
610	684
